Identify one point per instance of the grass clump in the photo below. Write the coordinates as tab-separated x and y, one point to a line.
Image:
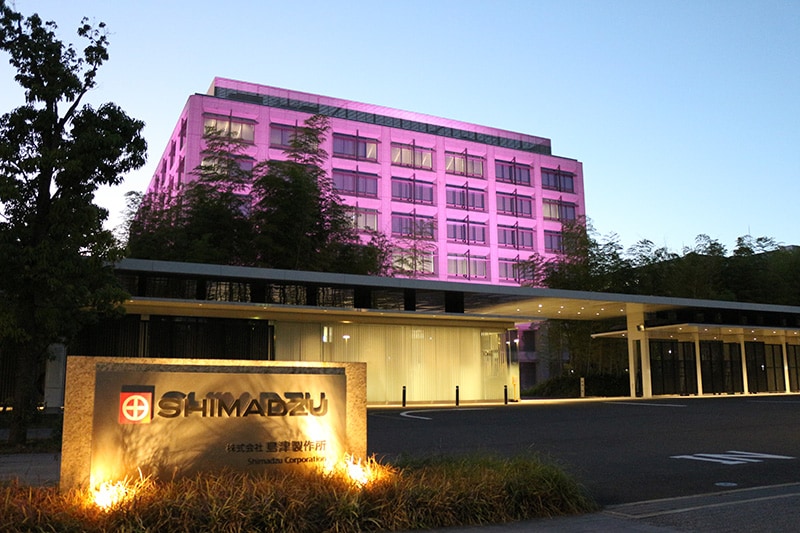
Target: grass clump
412	494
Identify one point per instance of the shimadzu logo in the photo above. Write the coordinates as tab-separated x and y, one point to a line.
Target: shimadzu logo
136	405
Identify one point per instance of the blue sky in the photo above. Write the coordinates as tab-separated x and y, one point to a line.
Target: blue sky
685	113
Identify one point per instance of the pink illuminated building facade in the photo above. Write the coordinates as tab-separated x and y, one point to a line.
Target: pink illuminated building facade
471	201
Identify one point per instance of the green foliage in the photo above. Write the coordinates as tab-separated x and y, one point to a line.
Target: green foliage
281	214
421	494
569	386
54	154
759	269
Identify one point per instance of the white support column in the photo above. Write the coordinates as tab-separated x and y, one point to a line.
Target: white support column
785	352
636	332
698	365
633	365
745	387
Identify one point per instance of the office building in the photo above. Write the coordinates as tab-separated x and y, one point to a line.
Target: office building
472	200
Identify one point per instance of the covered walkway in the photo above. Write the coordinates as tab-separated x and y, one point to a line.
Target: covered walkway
430	338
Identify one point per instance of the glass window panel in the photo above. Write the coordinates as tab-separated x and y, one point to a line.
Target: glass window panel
369	149
424	193
558	180
343	182
525	207
477	233
475	168
477	200
550	210
248	132
280	135
424	159
552	241
365	219
450	163
368	186
523	176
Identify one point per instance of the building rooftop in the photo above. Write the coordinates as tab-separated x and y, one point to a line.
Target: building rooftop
374	114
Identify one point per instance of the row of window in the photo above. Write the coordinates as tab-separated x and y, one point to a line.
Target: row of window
418	157
420	192
463	265
463	231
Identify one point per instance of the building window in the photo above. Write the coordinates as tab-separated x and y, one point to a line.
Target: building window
466	198
414	262
512	172
411	190
463	164
511	204
466	231
507	269
467	266
553	241
237	128
515	237
355	183
558	180
412	225
556	210
182	134
355	147
224	166
410	155
280	135
512	270
365	219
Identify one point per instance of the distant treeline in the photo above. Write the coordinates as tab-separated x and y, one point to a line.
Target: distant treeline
757	270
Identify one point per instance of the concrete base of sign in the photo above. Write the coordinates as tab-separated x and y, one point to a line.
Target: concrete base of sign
180	416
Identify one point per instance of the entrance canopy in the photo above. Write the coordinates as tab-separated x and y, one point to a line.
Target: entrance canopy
189	289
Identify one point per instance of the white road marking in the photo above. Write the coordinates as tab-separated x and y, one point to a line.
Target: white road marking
700	507
647	404
407	414
731	457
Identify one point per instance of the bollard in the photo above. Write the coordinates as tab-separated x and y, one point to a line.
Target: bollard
404	395
505	394
456	395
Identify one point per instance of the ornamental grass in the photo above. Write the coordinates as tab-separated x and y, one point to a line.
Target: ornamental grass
411	494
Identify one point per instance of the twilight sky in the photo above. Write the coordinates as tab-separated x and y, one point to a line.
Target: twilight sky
685	113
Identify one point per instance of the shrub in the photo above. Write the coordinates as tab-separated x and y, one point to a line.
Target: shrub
415	494
569	386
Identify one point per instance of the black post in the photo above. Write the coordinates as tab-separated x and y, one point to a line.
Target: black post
456	395
404	395
505	394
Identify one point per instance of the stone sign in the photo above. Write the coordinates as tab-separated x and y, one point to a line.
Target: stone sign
176	417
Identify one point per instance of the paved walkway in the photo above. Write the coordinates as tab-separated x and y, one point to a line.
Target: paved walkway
773	509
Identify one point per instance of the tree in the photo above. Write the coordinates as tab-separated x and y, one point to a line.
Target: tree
650	267
584	263
273	214
55	151
209	221
699	273
300	222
